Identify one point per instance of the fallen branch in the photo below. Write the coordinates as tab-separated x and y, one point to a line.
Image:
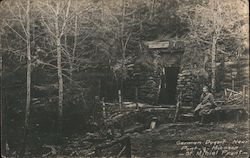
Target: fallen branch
230	90
236	93
123	149
135	129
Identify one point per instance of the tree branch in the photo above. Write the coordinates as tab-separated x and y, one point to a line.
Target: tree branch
65	20
47	26
16	32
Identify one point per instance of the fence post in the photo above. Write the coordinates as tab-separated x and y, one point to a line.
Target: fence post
244	95
104	114
120	98
136	97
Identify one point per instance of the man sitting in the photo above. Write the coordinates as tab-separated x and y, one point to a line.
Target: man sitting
207	104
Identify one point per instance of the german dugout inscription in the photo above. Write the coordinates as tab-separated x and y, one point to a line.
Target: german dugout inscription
211	148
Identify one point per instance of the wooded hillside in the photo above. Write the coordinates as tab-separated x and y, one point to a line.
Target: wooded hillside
61	58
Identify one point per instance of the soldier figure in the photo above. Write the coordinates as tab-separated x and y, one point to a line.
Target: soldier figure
206	105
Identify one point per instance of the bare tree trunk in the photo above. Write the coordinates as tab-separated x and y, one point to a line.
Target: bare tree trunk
123	45
140	22
28	94
71	69
152	5
214	63
102	18
72	58
214	43
122	31
59	71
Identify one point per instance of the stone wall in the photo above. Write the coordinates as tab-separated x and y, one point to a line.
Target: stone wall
148	87
147	77
189	87
187	83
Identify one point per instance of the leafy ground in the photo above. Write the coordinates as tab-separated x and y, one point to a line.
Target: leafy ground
163	141
138	141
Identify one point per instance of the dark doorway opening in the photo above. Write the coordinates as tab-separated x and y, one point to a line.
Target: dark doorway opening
168	86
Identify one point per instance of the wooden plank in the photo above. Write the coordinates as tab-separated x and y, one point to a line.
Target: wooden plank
231	107
235	92
155	44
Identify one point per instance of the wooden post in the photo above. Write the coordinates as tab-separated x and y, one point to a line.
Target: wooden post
177	111
99	87
104	114
244	95
233	84
136	97
225	92
120	99
179	102
233	79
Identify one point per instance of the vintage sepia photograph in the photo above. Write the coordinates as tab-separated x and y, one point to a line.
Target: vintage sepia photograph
124	78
